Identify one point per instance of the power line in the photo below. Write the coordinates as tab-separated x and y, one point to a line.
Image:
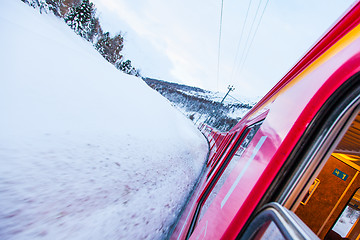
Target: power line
219	47
253	37
248	36
241	36
235	99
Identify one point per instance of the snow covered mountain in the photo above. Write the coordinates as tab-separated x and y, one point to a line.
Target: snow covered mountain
86	152
202	105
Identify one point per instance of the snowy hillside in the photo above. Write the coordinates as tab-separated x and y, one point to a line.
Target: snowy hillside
86	152
204	106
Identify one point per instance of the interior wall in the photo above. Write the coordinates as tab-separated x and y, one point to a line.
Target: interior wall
328	195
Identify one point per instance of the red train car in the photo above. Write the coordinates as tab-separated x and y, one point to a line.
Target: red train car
290	168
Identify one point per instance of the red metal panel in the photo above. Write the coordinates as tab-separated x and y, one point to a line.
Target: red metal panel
288	118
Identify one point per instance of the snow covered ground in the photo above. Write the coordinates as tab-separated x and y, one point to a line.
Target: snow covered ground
86	152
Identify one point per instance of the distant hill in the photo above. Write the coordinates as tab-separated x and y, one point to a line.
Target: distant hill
202	105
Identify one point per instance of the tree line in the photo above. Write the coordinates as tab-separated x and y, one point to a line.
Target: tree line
195	106
80	15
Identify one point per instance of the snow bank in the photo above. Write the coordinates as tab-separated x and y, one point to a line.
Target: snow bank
86	152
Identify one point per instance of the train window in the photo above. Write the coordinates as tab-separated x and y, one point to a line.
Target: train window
269	230
223	152
319	183
229	166
276	222
336	205
329	207
348	224
219	179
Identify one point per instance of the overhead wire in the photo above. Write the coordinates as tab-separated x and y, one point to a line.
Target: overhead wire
253	37
219	47
248	36
239	42
235	99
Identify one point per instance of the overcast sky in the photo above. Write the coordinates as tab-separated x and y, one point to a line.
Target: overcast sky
178	40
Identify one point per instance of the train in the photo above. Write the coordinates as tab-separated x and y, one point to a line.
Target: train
289	169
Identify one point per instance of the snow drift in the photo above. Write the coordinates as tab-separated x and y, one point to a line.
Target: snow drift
86	152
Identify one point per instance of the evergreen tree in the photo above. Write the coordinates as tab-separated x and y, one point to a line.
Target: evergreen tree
80	19
80	16
110	48
71	19
126	66
54	6
116	46
103	45
66	5
85	12
95	30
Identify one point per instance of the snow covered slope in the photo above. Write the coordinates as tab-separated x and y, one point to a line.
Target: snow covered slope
86	152
203	105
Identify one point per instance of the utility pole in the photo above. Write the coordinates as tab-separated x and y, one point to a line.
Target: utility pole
231	88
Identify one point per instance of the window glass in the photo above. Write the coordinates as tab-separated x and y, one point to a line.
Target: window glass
250	133
269	231
276	222
348	221
224	153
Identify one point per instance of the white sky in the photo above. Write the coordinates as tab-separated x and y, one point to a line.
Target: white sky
177	40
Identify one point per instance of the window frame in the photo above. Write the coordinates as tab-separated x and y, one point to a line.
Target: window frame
318	154
290	226
221	167
327	128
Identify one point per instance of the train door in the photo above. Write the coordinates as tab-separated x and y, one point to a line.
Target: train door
321	196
